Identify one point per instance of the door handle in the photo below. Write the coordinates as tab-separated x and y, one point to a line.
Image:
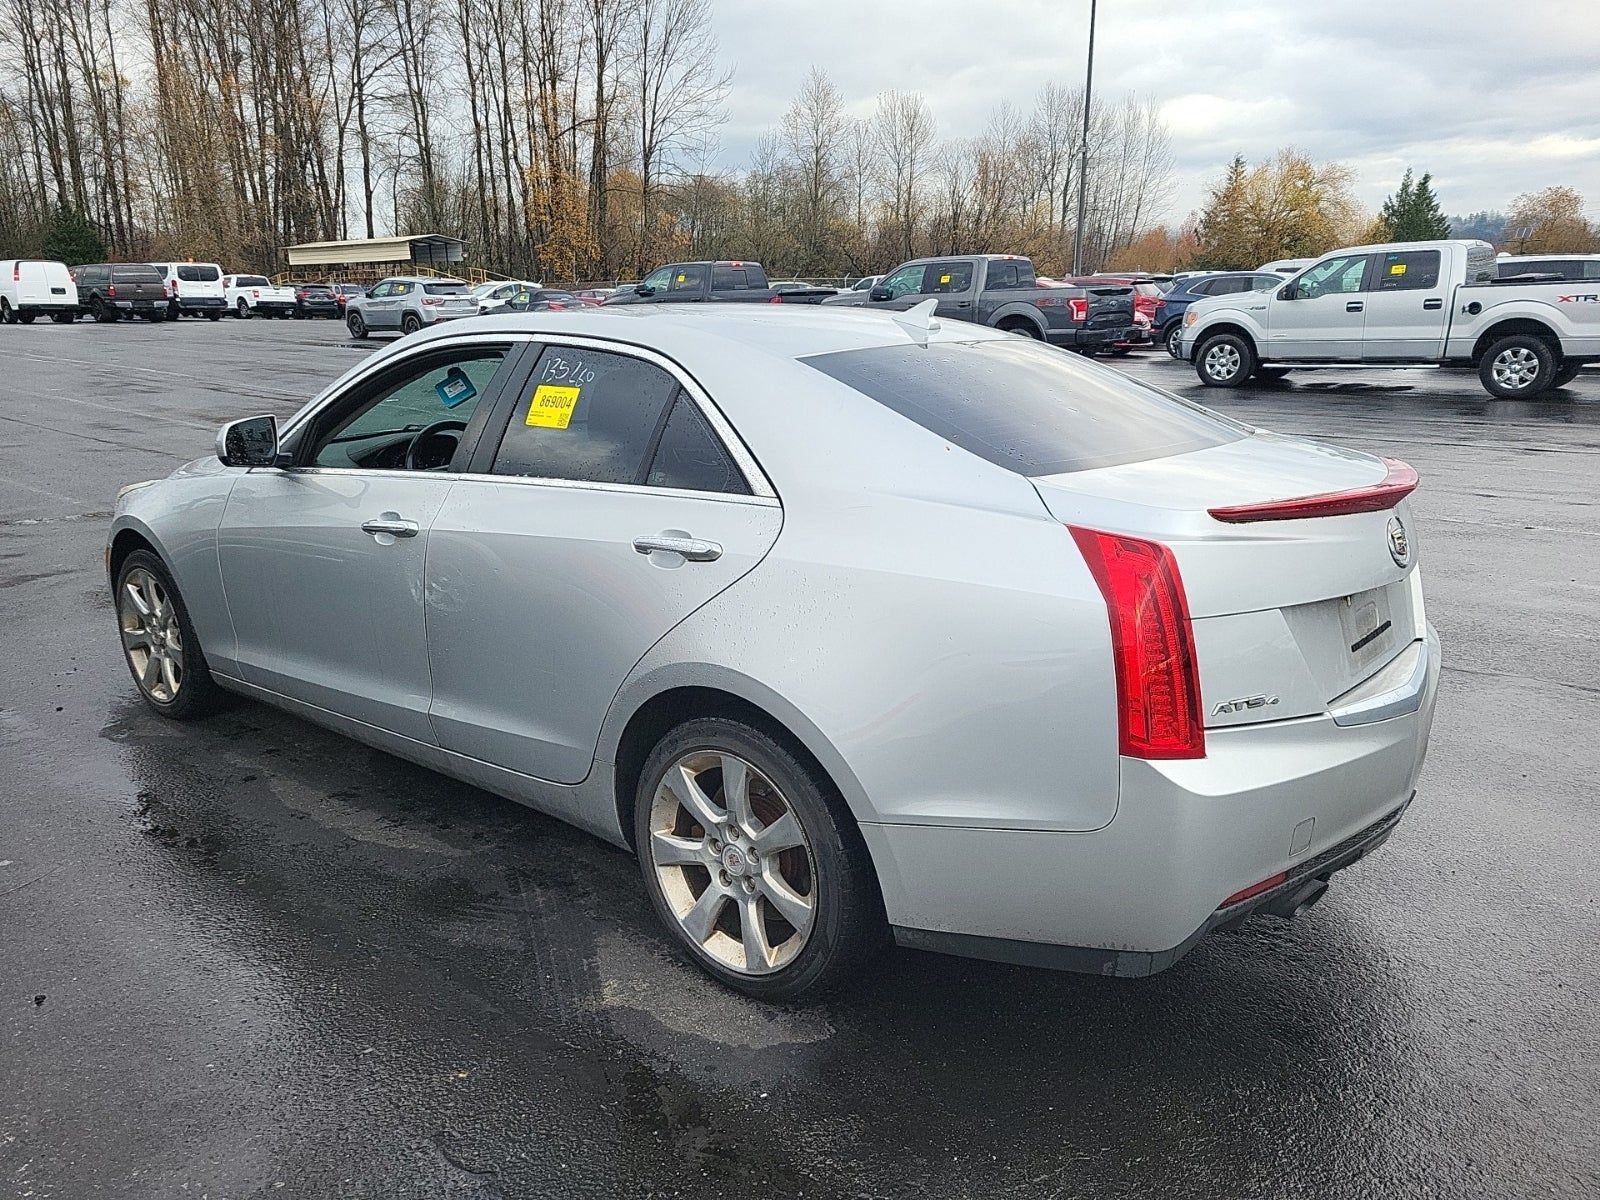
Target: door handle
692	549
394	526
963	303
1433	305
1355	306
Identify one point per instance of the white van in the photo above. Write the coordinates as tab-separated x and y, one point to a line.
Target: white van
193	288
34	287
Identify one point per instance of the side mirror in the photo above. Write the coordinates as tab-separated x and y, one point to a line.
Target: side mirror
880	293
644	289
252	442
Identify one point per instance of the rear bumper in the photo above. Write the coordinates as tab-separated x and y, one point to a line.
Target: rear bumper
1087	339
1306	797
201	304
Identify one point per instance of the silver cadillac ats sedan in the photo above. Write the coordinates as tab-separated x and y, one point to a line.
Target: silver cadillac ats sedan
849	626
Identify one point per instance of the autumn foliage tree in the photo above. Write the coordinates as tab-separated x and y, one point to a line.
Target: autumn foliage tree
1551	221
1286	207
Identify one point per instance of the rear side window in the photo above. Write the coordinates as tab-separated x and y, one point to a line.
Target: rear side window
588	415
1408	270
691	456
1025	407
729	279
1230	286
1003	276
198	273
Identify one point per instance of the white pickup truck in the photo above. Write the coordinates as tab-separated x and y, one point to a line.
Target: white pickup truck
248	295
1409	304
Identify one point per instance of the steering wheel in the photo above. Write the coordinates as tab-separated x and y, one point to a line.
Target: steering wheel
421	437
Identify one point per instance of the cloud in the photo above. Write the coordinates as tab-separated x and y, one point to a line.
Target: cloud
1493	102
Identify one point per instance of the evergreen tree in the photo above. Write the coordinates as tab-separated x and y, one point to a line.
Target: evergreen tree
1412	214
72	239
1222	233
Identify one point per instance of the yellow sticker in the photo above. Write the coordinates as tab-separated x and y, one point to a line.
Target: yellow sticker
552	406
1398	269
681	278
944	279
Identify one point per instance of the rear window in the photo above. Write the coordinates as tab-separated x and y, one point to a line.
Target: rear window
198	273
1025	407
250	281
445	289
137	273
316	289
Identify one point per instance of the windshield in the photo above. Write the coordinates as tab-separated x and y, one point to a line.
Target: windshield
1026	407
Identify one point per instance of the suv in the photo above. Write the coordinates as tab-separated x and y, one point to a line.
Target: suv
1172	306
408	303
314	300
108	291
194	288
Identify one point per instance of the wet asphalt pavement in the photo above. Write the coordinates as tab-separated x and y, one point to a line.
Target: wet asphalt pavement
249	958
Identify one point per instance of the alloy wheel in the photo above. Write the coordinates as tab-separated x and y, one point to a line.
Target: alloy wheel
733	862
1222	362
151	637
1516	368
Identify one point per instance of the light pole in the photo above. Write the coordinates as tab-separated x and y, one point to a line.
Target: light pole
1083	161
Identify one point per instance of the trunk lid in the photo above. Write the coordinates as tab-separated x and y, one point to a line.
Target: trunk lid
1110	306
1288	615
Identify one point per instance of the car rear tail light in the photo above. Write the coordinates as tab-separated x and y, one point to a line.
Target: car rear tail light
1152	645
1398	483
16	272
255	293
776	300
431	300
1078	308
111	291
302	295
1255	889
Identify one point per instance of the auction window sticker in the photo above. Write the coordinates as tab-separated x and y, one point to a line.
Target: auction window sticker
556	395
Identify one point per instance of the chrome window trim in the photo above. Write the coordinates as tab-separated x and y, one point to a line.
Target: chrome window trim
754	476
638	489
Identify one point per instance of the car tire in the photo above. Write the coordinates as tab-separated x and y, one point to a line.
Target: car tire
1517	367
64	318
410	323
159	643
356	326
1173	339
1565	374
173	312
103	312
6	315
242	309
25	317
822	876
213	315
1224	360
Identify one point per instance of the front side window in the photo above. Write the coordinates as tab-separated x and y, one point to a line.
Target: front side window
1337	276
1408	270
587	415
907	281
1026	407
439	393
658	279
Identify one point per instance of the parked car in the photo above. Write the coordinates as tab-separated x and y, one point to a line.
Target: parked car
496	294
1172	306
314	300
1404	304
600	566
194	288
740	282
408	303
856	294
1570	267
343	291
109	291
31	288
250	295
1001	290
595	295
785	287
1286	266
543	300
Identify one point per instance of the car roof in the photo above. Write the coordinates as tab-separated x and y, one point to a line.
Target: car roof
419	279
773	330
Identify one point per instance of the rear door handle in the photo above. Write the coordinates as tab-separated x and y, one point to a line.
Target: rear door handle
392	524
692	549
1355	306
963	303
1433	305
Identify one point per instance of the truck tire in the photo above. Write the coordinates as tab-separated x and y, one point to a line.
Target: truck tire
1021	325
1517	367
1224	360
1271	374
242	309
102	311
213	315
1565	374
25	317
64	318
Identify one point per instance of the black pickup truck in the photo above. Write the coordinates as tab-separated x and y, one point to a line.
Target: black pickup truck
1002	291
727	281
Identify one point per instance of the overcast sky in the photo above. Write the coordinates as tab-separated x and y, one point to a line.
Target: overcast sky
1493	97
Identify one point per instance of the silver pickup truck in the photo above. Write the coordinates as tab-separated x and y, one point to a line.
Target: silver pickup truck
1408	304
